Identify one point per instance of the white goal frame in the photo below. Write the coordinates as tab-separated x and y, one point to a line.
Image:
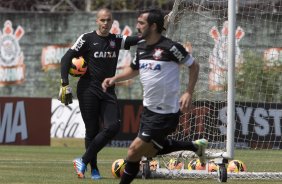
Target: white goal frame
232	5
221	158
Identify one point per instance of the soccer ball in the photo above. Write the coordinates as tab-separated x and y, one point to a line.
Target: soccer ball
154	165
118	167
78	67
212	166
195	164
236	166
174	164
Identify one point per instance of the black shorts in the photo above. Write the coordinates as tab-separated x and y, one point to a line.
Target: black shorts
155	127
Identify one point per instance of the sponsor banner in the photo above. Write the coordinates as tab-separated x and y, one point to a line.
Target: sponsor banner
51	56
12	67
25	121
130	116
257	124
66	121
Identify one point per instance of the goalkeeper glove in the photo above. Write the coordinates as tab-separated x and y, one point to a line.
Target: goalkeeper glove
65	94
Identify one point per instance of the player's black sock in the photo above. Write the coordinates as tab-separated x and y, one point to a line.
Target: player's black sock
172	145
130	172
93	162
100	140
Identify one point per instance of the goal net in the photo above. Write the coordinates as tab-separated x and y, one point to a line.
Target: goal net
201	25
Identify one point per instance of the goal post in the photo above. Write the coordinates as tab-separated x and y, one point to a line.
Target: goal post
231	80
176	14
237	101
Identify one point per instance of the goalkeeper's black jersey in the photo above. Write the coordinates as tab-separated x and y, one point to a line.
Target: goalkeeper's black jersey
100	53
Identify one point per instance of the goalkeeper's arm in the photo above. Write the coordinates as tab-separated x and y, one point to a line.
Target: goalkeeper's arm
65	66
65	94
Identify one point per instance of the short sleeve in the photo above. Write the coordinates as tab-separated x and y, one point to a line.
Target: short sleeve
80	45
131	41
180	55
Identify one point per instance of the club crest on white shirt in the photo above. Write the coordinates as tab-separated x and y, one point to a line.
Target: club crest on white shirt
158	54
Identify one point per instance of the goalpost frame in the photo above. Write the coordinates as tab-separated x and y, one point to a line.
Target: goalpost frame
231	80
220	158
232	8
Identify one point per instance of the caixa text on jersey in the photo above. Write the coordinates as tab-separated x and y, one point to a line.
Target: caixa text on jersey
105	54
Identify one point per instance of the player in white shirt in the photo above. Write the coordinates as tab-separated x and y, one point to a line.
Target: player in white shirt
158	61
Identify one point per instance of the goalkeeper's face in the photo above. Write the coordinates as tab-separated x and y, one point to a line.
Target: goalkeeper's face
104	21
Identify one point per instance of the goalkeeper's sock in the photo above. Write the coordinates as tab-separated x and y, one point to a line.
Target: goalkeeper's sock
130	172
93	162
172	145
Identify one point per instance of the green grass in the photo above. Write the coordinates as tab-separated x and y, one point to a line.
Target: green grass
43	164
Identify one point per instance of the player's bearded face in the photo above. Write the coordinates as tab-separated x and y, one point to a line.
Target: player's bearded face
144	33
143	26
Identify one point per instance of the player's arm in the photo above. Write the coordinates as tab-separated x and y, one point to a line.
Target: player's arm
65	93
128	72
75	51
186	98
194	69
130	41
183	57
65	66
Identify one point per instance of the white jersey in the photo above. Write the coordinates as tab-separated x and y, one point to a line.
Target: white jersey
158	67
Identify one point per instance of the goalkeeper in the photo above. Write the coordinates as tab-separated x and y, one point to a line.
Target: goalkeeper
157	62
100	49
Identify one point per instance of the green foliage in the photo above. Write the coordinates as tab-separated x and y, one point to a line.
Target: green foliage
257	82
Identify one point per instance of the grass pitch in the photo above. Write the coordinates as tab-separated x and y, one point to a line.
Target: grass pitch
53	165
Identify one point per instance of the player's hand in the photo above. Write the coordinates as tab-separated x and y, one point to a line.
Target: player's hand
185	102
108	82
65	95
